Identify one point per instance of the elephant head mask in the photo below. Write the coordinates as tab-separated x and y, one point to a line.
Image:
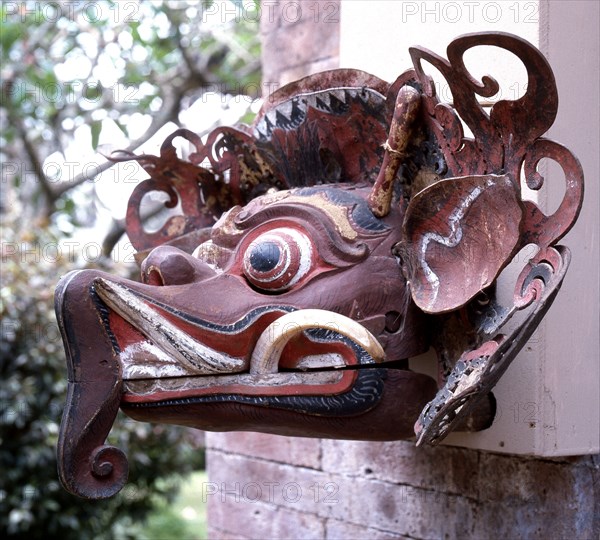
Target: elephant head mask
352	227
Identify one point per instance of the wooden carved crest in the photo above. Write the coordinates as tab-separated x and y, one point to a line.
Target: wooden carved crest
350	228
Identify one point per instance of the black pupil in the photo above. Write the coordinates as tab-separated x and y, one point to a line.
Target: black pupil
265	256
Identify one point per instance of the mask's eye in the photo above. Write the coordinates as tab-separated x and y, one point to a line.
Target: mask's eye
278	259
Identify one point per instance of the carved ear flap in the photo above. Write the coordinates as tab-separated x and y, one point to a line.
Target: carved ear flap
458	234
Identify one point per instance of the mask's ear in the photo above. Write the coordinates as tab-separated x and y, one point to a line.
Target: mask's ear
458	234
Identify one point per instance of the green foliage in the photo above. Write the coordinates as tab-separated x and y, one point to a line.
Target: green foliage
186	516
71	71
32	502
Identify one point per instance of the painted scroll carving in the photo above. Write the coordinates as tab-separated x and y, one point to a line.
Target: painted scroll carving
353	226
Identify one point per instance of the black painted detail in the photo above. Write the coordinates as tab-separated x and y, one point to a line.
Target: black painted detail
321	105
293	121
289	114
264	256
364	395
234	328
338	106
360	212
104	312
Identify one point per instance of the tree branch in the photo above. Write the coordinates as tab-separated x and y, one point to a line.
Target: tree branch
34	159
194	77
167	112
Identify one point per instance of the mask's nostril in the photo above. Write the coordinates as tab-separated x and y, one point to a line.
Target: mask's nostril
167	266
152	276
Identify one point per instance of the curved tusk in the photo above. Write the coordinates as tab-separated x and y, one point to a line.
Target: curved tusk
270	344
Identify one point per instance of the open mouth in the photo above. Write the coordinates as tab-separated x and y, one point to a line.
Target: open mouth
168	356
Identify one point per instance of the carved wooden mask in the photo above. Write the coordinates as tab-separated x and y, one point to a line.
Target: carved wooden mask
351	227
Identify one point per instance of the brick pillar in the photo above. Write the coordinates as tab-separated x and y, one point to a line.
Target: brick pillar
298	38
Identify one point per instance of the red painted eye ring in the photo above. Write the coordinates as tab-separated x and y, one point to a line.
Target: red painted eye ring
277	259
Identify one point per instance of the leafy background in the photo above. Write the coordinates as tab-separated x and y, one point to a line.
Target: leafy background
66	71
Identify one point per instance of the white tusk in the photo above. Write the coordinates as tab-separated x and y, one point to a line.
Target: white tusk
270	344
165	335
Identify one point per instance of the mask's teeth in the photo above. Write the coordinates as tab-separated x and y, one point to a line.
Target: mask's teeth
194	355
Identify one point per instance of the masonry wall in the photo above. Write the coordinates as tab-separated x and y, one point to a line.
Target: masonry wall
265	486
